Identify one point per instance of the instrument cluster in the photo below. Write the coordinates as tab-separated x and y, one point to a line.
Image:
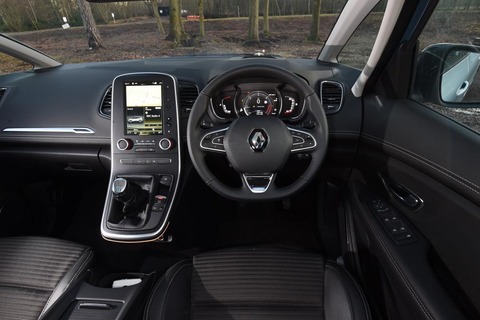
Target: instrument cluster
270	99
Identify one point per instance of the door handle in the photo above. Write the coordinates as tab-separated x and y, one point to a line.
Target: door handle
402	194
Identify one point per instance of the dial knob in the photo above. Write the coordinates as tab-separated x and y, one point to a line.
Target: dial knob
124	144
166	144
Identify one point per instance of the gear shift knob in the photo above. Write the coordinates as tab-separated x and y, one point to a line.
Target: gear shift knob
130	194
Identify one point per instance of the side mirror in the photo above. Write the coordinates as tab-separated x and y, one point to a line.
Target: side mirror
448	75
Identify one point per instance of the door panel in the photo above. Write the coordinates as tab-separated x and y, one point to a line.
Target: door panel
437	160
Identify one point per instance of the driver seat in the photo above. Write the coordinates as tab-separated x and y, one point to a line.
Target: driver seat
257	283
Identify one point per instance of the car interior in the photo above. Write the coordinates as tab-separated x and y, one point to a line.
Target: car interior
242	186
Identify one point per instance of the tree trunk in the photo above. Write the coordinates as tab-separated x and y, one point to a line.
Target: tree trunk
201	18
177	33
33	18
93	36
161	30
266	23
315	20
253	20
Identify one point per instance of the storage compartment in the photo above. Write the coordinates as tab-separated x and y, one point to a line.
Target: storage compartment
118	296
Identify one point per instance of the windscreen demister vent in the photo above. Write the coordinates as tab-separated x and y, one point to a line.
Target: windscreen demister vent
331	96
106	104
188	95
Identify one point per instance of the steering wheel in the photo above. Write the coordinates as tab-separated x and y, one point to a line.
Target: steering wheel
258	146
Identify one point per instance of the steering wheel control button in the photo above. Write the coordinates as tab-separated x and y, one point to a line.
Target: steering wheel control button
166	144
124	144
309	124
297	140
258	140
206	124
214	141
302	141
218	140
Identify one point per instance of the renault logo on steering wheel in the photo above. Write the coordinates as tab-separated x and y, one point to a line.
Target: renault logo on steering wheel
258	140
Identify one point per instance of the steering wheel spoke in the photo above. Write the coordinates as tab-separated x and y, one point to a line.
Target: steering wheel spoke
213	141
258	183
302	141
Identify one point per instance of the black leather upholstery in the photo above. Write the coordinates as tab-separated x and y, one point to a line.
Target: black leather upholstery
257	283
35	272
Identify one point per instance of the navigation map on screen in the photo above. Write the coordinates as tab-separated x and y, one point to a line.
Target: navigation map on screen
143	103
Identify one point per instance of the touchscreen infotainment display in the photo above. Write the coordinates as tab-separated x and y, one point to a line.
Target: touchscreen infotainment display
143	108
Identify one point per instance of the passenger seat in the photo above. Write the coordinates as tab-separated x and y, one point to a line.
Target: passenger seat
36	272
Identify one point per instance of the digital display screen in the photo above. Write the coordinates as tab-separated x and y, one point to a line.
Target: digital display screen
143	108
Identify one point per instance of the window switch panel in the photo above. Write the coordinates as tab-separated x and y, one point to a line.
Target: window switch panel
392	222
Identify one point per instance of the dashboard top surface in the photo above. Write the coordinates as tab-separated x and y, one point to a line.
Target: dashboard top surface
70	96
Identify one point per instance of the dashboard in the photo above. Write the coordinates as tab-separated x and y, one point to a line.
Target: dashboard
128	120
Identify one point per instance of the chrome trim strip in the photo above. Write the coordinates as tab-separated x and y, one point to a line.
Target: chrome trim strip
51	130
258	190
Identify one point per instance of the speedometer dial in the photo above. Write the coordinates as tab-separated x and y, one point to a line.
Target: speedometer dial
259	103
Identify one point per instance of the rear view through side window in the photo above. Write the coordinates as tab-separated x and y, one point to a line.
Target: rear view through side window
448	78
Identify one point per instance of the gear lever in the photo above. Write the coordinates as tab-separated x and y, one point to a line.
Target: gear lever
130	194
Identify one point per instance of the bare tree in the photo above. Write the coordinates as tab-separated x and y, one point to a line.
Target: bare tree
32	14
177	33
161	30
253	20
315	20
93	36
266	24
202	18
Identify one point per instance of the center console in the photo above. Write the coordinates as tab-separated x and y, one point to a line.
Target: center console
145	159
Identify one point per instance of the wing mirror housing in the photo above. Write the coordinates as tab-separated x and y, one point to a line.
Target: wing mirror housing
448	75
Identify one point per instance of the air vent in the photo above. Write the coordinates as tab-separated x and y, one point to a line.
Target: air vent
331	95
188	95
106	105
